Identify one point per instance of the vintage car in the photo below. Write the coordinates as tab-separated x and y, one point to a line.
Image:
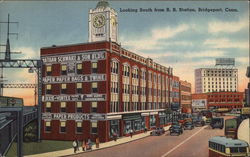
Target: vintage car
188	126
157	131
217	122
176	129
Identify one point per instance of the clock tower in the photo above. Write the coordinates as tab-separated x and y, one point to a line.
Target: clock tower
103	24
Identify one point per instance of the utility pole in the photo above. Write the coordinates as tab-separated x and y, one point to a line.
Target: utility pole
7	50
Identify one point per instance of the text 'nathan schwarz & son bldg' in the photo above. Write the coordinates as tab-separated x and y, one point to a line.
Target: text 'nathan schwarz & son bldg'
96	89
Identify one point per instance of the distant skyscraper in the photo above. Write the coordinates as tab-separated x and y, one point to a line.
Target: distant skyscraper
223	77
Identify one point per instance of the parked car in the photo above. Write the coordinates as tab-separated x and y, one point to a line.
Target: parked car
157	131
176	129
188	126
198	121
217	122
208	120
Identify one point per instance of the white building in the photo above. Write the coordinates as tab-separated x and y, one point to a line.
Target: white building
216	79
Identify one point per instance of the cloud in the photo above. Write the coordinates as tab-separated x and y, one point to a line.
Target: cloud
228	27
207	53
27	53
150	42
226	43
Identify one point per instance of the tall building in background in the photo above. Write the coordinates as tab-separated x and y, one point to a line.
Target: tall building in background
222	77
186	99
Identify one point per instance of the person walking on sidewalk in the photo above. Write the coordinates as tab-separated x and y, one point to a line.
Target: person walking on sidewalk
89	144
97	141
84	145
115	136
131	133
78	144
74	146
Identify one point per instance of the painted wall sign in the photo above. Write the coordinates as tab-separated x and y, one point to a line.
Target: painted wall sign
88	56
77	78
76	97
73	116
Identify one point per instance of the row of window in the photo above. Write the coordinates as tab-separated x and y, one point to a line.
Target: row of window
63	127
224	95
220	75
66	68
219	86
218	90
79	107
63	88
222	148
224	79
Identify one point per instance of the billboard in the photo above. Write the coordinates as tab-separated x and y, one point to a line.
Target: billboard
225	61
199	103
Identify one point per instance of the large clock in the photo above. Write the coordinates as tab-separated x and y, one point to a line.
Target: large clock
99	21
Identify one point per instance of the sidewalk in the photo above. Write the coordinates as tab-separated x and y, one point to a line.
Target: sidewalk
119	141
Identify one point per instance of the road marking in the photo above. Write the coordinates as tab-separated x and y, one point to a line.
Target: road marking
164	155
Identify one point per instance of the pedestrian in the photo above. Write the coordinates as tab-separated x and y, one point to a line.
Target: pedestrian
83	145
77	143
97	141
74	146
115	136
131	133
89	144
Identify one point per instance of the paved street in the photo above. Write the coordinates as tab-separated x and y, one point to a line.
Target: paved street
191	143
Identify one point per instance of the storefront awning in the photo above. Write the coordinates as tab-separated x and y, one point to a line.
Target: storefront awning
131	117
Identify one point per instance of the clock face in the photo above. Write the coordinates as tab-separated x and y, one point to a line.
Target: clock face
99	21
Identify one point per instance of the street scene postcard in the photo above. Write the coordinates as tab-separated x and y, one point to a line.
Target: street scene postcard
131	78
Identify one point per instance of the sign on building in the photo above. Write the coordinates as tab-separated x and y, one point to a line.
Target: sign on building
76	97
199	103
225	61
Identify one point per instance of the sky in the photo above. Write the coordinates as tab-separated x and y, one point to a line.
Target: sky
184	40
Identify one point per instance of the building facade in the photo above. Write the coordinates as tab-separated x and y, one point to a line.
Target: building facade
217	100
96	89
185	97
216	79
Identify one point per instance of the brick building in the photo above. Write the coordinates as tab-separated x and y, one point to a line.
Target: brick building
217	100
185	97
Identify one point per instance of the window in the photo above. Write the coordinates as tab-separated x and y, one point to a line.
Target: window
79	107
94	67
78	127
48	89
79	87
63	70
48	106
63	88
48	70
79	68
93	127
62	126
48	126
63	106
94	107
94	87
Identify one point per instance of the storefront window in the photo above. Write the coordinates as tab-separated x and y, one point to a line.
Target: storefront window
162	120
127	127
152	120
114	128
143	125
137	125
